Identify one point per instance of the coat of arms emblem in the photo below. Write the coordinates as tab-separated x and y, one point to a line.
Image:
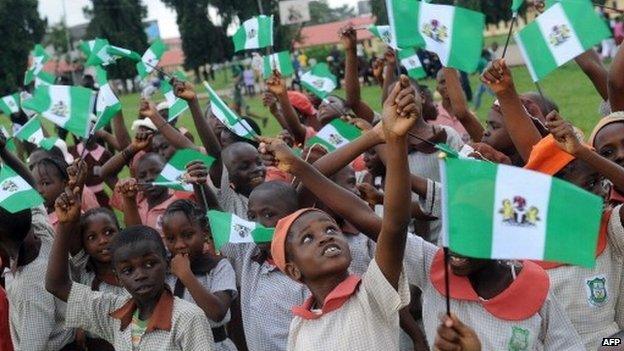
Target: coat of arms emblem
335	139
9	186
60	109
516	212
318	83
435	30
597	291
241	230
252	34
559	34
519	339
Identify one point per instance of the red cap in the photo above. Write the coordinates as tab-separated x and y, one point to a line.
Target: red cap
301	103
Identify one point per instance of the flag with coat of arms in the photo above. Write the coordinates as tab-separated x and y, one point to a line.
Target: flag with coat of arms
38	58
15	192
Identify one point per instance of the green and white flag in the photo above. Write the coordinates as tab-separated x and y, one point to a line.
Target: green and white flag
10	104
38	58
384	33
505	212
228	117
44	78
255	33
107	105
558	35
454	33
121	52
172	175
336	134
319	80
68	107
410	60
403	19
15	192
96	52
150	58
10	141
229	228
515	6
176	105
279	61
31	132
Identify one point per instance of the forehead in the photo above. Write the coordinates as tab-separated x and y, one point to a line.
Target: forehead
308	219
151	160
495	114
612	132
100	218
242	152
138	250
176	220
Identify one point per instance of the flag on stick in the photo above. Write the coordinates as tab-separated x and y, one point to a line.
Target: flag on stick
503	212
151	58
38	58
410	60
254	33
229	228
228	117
107	104
403	20
121	52
384	33
96	52
172	175
10	104
319	80
15	192
176	105
336	134
561	33
31	132
515	6
279	61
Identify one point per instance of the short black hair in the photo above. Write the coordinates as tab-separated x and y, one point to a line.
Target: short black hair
148	155
59	164
84	219
226	153
138	233
15	226
282	191
190	209
545	104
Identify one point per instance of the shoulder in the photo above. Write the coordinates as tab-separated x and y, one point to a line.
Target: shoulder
188	314
452	137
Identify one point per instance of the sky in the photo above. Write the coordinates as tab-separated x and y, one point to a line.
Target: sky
53	10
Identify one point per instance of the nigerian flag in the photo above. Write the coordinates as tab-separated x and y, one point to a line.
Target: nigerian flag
107	105
335	134
255	33
382	32
121	52
31	132
454	33
410	60
10	104
150	58
172	174
96	52
176	105
229	228
68	107
515	6
44	78
228	117
505	212
39	57
15	192
279	61
10	141
319	80
564	31
403	20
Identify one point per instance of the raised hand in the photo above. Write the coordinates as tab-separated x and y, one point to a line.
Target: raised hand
390	57
67	206
348	36
401	109
196	173
142	140
276	153
183	90
147	109
498	77
453	335
180	265
358	122
269	100
564	133
128	188
77	173
276	84
369	194
378	67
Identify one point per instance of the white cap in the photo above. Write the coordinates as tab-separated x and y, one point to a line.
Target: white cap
62	145
145	122
164	105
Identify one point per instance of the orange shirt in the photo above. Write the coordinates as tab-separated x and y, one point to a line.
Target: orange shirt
5	334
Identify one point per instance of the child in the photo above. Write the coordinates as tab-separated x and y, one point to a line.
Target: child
309	247
5	332
608	140
95	156
203	279
152	318
266	294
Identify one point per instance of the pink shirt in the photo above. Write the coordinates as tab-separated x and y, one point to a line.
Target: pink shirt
89	201
446	119
152	217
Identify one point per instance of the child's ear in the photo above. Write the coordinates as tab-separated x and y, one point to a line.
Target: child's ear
293	272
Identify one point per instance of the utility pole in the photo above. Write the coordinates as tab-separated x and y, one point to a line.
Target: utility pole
69	45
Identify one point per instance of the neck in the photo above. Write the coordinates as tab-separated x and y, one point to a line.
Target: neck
321	288
157	200
146	308
102	268
28	250
491	280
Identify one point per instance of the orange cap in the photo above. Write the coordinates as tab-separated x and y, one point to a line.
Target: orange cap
547	157
278	244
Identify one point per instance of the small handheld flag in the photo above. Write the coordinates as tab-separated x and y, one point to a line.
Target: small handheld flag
151	58
228	117
172	175
15	192
410	60
403	20
176	105
38	58
254	33
279	61
229	228
384	33
107	104
10	104
336	134
319	80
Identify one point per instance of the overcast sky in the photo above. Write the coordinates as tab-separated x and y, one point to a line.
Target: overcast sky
53	10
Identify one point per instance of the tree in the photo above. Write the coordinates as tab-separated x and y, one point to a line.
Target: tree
320	12
119	21
57	38
17	40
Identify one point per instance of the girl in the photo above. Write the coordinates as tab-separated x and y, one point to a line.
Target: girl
95	155
206	280
608	140
151	318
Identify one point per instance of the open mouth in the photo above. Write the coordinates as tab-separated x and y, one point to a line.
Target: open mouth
332	250
257	180
458	261
144	289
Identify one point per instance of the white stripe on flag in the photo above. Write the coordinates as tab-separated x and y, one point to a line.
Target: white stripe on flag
562	51
240	230
508	236
526	59
20	185
60	101
332	136
444	203
171	173
390	9
252	27
445	17
149	59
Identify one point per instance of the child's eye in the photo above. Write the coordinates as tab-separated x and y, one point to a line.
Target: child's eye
149	264
91	237
108	232
188	235
306	239
126	270
251	216
330	230
169	239
268	215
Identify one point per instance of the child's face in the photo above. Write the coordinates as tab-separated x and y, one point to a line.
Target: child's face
49	182
316	247
147	171
346	179
246	169
266	209
495	133
182	236
161	146
465	266
609	142
330	109
441	87
584	176
141	269
373	162
99	232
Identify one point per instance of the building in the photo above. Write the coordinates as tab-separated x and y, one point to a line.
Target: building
328	33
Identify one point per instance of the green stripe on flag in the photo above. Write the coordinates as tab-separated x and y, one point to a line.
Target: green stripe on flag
589	27
229	228
403	17
532	45
31	132
172	174
279	61
15	193
467	41
176	105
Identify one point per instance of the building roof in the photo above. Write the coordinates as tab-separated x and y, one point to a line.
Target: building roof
324	34
172	57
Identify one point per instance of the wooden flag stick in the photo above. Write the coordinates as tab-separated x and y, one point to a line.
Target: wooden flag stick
447	284
513	22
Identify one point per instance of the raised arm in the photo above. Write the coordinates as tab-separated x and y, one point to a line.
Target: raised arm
616	81
128	189
276	85
517	121
459	105
14	162
109	139
173	136
401	110
120	131
390	75
116	163
270	101
67	209
591	64
197	174
348	36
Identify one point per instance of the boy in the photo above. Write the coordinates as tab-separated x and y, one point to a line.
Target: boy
152	318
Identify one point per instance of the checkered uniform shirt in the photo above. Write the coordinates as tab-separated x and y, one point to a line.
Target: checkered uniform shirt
229	200
36	317
89	310
369	320
549	329
266	296
220	278
594	316
362	252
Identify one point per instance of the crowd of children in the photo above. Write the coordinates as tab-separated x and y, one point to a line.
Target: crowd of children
355	261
